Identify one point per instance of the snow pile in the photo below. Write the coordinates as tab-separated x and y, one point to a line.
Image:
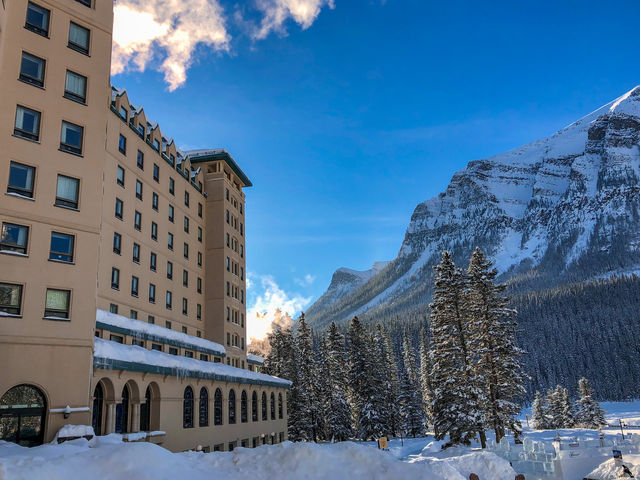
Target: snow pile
610	471
74	431
111	460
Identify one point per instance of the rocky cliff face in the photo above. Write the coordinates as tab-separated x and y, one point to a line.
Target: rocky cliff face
561	209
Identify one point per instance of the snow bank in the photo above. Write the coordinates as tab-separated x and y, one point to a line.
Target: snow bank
74	431
610	471
111	460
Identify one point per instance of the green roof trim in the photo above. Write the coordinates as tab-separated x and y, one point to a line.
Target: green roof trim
254	362
214	155
109	364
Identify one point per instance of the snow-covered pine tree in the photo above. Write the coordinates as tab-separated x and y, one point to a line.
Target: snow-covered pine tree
556	409
388	369
568	414
426	364
411	407
498	368
589	414
307	387
540	412
337	410
455	402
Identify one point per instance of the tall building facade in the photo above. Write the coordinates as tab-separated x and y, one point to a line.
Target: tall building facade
122	257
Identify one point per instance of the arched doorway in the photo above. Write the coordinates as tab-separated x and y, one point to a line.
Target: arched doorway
98	402
122	412
23	410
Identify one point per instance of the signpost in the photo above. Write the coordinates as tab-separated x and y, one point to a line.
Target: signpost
383	443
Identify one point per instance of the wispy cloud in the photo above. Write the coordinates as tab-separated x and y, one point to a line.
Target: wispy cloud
165	33
305	281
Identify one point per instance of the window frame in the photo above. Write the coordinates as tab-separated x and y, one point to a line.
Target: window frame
67	147
68	94
53	312
117	250
68	257
65	202
20	191
25	134
6	247
16	309
36	28
122	144
75	46
23	77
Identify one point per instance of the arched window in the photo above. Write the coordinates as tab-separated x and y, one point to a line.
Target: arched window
98	402
203	417
217	407
122	412
254	407
145	412
264	406
23	408
187	408
280	406
232	406
273	406
243	407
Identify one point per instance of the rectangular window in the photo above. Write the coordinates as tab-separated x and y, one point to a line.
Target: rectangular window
61	247
199	285
154	231
134	286
185	278
79	38
139	343
188	354
184	329
153	262
156	144
203	356
37	19
156	172
169	270
116	338
156	346
32	69
140	160
184	306
75	88
57	303
199	311
200	234
171	213
122	144
113	308
228	264
71	137
154	201
124	113
167	324
172	186
120	176
136	253
138	189
117	243
152	293
186	224
186	250
134	314
27	123
168	300
151	319
170	241
11	298
199	259
67	192
186	199
119	207
115	278
21	179
137	220
173	351
199	209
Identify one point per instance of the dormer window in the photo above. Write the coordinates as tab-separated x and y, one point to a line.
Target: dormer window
124	113
156	145
141	130
173	159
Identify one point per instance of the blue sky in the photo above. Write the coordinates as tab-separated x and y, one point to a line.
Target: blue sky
345	125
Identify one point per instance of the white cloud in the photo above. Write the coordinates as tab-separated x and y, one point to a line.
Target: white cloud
277	12
143	30
306	281
270	304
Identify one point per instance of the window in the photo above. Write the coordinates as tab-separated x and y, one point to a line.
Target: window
152	293
170	241
203	356
199	259
217	407
168	300
14	238
228	314
232	407
228	289
156	346
117	243
61	247
186	198
203	413
113	308
169	270
228	264
134	314
21	180
199	209
37	19
156	144
140	130
171	213
140	160
186	224
187	408
57	303
241	273
199	285
138	189
199	312
264	406
32	69
79	38
200	234
153	259
11	298
167	324
173	351
254	407
185	278
71	137
116	338
115	278
67	192
172	186
122	144
124	113
75	88
228	339
137	220
273	406
185	250
184	329
120	176
136	253
280	410
227	239
134	286
119	207
154	231
243	407
156	172
184	306
154	201
27	123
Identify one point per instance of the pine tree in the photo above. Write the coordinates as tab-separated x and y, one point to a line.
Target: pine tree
388	369
426	364
307	384
455	402
411	408
540	412
337	411
568	414
589	414
556	407
498	366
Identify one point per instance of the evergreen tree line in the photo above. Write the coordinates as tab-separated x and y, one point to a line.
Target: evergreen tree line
556	410
355	384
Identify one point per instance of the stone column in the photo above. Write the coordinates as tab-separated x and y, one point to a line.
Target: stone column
135	417
110	421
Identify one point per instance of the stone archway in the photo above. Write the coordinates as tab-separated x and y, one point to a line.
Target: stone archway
23	411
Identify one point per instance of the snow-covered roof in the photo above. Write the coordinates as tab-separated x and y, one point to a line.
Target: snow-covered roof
251	358
128	326
207	154
112	355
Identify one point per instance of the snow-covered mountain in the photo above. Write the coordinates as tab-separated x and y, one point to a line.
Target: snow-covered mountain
557	210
